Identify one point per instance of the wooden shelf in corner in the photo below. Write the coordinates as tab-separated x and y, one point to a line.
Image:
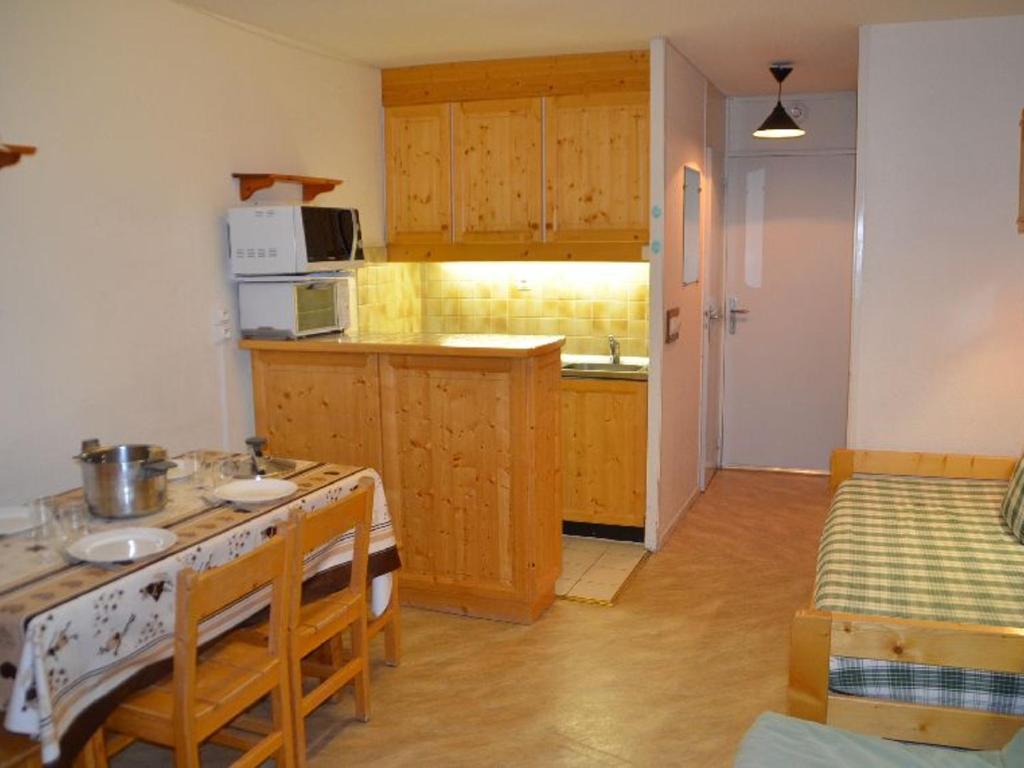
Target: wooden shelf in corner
311	185
11	153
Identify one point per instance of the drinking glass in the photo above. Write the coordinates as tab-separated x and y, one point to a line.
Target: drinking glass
44	514
214	471
73	518
47	536
189	467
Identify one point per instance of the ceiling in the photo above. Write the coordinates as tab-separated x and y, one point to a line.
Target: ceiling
731	41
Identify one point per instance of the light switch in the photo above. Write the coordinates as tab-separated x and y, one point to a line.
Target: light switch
672	325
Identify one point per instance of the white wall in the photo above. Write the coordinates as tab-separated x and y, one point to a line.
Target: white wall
938	346
112	236
678	95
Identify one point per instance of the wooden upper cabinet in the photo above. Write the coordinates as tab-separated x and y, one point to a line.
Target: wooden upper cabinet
418	157
542	158
597	167
497	181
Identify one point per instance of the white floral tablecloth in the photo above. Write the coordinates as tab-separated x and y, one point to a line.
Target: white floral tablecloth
77	634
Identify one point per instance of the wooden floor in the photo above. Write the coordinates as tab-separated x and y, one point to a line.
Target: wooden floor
673	674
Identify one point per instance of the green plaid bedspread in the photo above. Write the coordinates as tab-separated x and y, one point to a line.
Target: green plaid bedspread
922	548
927	684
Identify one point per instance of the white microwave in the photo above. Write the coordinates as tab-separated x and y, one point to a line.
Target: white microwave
293	239
282	308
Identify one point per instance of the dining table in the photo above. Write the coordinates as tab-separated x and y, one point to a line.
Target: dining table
77	637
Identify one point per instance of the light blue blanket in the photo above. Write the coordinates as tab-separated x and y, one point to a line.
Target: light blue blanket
776	741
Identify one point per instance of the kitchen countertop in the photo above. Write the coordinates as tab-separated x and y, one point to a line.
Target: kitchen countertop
451	344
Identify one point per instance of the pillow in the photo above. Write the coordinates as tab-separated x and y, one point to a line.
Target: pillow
1013	504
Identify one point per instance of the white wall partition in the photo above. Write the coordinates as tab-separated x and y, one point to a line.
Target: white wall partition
938	342
678	93
113	237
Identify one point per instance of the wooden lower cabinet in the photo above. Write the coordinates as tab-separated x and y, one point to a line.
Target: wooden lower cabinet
469	451
318	405
472	472
604	451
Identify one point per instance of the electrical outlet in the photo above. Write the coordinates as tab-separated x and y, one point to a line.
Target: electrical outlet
221	329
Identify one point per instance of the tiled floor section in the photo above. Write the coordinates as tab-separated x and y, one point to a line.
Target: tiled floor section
595	570
695	648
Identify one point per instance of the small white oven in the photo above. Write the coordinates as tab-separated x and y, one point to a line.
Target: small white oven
290	308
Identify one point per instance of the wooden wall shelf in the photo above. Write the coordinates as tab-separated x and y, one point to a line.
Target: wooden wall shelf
11	153
311	185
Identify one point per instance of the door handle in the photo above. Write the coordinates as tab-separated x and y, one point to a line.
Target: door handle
713	314
733	311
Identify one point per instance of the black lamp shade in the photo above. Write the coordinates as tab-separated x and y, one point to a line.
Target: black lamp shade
779	125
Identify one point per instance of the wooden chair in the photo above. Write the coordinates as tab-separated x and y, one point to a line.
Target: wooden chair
211	689
322	622
17	751
389	622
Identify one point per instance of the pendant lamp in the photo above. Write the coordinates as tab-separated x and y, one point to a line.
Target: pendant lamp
779	125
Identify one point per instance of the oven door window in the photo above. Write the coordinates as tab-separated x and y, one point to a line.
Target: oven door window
315	308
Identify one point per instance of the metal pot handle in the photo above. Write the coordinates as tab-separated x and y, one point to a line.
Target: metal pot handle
89	444
158	466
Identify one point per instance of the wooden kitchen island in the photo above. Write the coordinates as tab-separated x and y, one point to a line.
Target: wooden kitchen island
464	429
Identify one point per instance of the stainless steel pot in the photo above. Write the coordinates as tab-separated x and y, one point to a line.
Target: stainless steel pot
124	480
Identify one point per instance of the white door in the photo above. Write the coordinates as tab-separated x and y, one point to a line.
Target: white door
789	245
712	293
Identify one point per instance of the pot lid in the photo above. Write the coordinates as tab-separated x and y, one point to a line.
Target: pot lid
94	453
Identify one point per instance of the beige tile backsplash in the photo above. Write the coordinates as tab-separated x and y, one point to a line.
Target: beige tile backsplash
390	298
585	302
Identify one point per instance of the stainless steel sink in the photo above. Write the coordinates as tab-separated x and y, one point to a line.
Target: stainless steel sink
605	371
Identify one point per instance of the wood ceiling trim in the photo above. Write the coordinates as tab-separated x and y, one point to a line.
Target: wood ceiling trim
516	78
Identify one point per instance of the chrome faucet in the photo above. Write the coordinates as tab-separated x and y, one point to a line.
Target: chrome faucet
613	349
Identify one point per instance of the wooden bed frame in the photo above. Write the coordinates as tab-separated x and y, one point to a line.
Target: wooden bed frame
819	634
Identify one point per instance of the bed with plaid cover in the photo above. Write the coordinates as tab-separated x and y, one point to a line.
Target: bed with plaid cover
922	548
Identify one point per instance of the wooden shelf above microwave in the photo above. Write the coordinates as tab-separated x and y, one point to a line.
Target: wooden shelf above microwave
311	185
11	153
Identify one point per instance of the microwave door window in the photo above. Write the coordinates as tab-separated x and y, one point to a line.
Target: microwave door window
351	238
323	235
349	235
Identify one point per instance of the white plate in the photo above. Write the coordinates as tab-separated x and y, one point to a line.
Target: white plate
186	468
122	544
16	520
256	491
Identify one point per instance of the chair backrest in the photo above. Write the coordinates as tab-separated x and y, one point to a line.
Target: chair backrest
318	527
199	595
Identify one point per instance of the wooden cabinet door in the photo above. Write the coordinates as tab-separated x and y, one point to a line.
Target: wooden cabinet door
597	167
418	159
604	451
448	442
497	166
319	406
